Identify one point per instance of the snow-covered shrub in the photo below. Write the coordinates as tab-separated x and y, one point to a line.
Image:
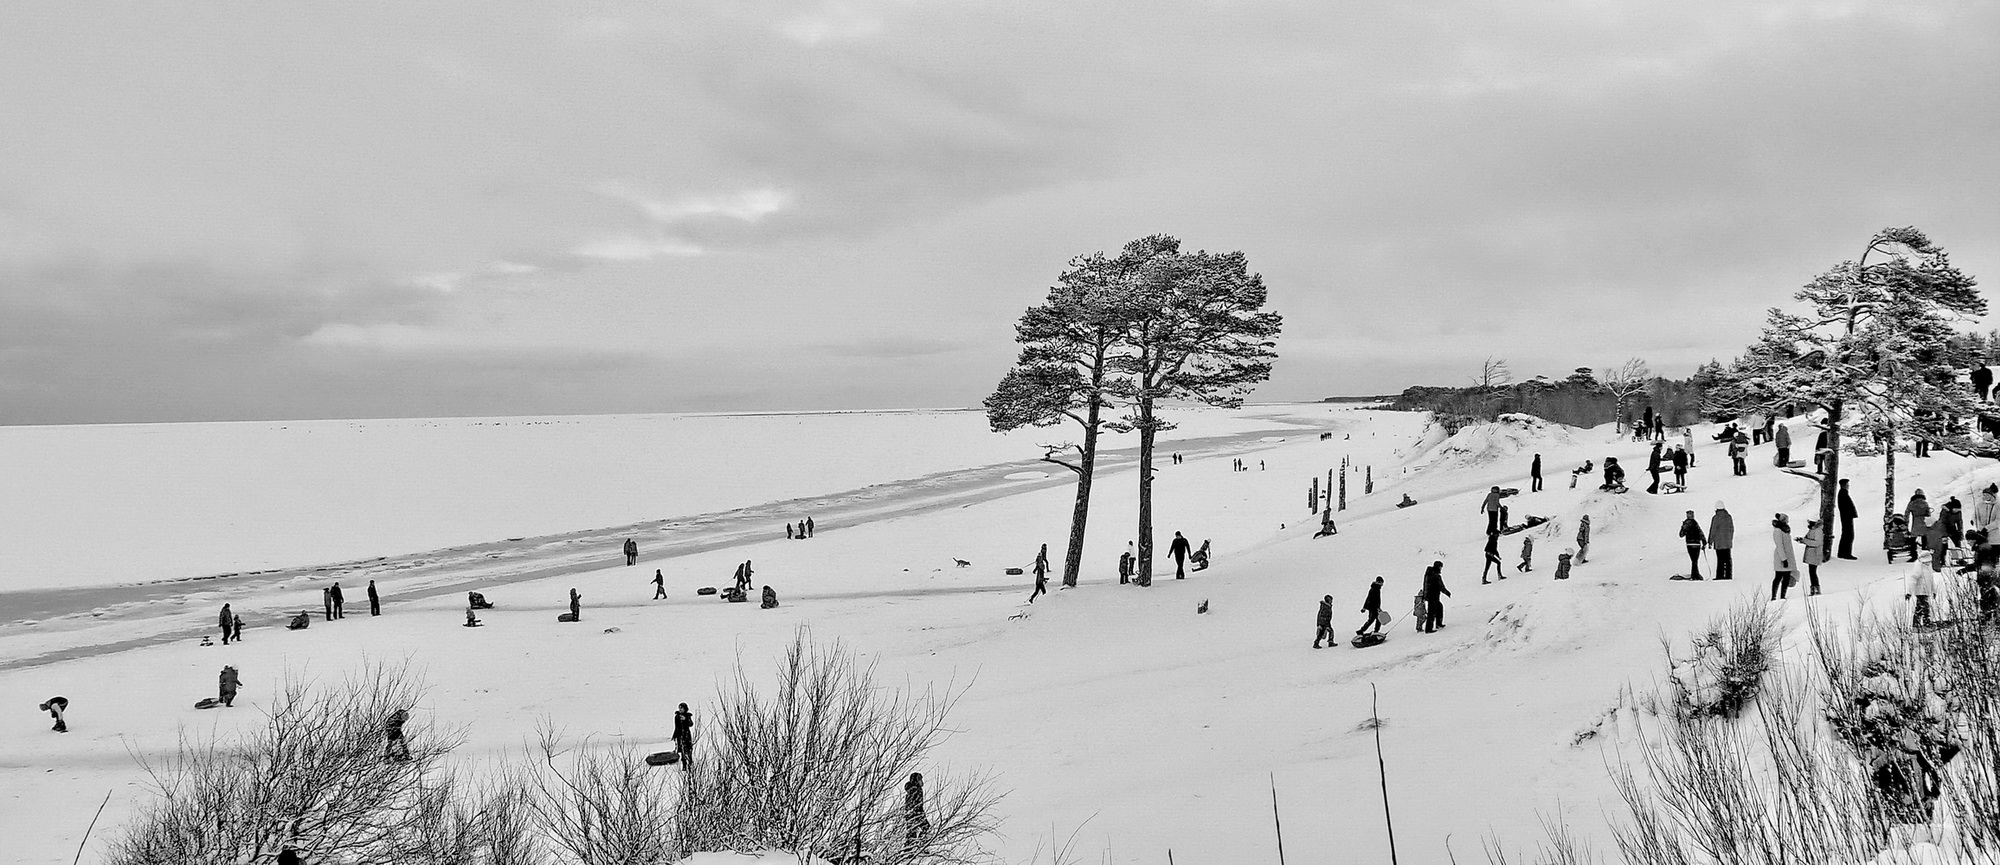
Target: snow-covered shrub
1727	663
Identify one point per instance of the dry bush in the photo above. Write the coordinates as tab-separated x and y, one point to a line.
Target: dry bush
600	805
1727	663
818	765
314	777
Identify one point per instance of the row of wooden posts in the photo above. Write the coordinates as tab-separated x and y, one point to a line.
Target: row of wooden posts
1314	497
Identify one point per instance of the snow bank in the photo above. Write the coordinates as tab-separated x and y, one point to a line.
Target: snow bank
1511	437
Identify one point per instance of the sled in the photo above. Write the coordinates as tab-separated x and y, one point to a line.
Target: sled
1015	572
1531	523
566	617
1363	641
207	703
1811	476
663	758
705	590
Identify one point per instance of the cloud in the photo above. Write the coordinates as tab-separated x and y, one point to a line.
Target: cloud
635	248
749	205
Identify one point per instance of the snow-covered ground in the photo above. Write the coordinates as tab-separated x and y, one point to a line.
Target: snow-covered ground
1111	711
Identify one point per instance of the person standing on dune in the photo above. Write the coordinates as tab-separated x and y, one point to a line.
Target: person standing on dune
1535	475
339	602
1583	539
631	552
1434	595
374	600
228	624
1692	535
1178	549
1721	536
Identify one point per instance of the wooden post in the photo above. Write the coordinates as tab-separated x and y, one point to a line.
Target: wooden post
1343	491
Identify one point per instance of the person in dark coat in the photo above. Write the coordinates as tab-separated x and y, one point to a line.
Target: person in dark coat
575	605
1179	549
1614	474
1654	468
374	600
915	824
326	601
1721	537
228	620
227	685
770	597
1372	606
1583	539
809	527
1982	381
339	602
236	627
1814	542
631	552
659	585
1680	462
1042	574
1953	520
1324	620
1691	535
1535	475
1739	448
1848	512
1784	442
1659	427
290	856
1919	513
395	746
1492	562
1434	595
684	735
57	707
788	531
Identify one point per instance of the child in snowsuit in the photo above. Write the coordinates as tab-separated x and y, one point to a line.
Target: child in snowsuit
1583	540
1922	585
1562	566
1527	555
1324	621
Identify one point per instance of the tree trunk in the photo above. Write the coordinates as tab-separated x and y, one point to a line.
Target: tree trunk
1080	516
1889	481
1146	432
1829	481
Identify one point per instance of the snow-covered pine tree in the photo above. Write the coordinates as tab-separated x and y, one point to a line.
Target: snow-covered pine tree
1873	337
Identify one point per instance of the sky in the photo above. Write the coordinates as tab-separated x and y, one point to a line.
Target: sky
232	211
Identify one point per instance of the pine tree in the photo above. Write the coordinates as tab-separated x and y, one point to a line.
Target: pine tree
1874	338
1196	329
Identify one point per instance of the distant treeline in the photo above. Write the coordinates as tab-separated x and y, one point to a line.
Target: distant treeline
1579	400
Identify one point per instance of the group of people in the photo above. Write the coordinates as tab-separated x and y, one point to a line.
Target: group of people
803	530
333	605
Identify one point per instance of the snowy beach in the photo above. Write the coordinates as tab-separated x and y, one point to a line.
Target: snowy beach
1112	712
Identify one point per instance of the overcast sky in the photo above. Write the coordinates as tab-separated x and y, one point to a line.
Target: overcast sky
289	210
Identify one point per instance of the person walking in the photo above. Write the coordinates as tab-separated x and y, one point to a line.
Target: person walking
1372	608
1324	620
1922	585
631	552
1654	468
339	602
1693	537
1491	505
1434	595
684	735
227	684
659	585
228	620
1721	536
374	600
1815	554
1919	513
1492	562
1845	505
1535	475
236	627
1178	549
1784	560
1041	574
1583	539
1784	441
1527	555
1680	463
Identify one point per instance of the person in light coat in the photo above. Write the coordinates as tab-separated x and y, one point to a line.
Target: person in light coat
1815	553
1986	511
1784	560
1922	585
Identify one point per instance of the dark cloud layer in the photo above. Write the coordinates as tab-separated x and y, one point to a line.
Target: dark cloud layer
369	209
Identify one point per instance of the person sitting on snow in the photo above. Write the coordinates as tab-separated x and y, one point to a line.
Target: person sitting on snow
1614	476
1200	556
